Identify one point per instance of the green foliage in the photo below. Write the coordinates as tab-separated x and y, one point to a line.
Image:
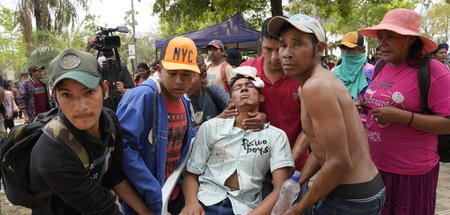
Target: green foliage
146	51
46	15
364	14
53	44
323	8
183	16
437	22
12	49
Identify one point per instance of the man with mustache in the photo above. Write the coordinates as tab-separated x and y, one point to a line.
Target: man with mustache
282	101
219	71
348	180
77	159
228	162
157	125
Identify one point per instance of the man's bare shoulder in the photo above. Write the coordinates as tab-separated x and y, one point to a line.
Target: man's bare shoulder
317	83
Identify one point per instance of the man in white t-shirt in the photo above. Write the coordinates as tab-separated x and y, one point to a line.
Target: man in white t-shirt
218	72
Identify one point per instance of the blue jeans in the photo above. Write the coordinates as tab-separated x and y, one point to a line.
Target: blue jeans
332	205
222	208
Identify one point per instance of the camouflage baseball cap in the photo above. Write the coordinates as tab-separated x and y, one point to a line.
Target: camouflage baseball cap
76	65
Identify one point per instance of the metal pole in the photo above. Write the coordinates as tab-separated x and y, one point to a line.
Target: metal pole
134	38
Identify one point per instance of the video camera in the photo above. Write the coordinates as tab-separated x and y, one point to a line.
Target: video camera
107	44
106	41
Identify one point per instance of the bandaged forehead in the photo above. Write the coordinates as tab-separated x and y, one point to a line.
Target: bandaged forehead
249	72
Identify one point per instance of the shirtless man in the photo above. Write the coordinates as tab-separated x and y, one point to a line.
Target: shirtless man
347	177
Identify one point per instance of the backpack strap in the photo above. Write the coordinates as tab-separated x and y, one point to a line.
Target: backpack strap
424	83
224	76
59	133
378	68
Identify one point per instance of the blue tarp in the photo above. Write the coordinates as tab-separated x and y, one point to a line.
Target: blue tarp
234	32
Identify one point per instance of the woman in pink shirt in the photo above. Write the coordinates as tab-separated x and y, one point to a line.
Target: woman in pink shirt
402	137
144	73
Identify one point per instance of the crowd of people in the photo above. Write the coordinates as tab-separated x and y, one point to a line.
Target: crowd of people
228	134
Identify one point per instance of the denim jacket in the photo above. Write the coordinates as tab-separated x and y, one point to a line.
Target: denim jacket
145	149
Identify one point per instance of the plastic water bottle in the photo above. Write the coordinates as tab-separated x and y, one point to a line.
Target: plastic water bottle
288	194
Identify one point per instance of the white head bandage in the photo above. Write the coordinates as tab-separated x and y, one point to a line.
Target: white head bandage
249	72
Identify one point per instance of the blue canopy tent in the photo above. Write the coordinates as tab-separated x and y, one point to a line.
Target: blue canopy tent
234	32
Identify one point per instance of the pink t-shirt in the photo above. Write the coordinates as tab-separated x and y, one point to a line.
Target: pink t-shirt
139	82
395	147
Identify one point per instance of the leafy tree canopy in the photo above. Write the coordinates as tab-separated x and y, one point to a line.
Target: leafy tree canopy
437	22
364	14
182	16
12	49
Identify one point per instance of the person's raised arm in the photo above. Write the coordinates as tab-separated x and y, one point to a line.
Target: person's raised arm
90	43
322	106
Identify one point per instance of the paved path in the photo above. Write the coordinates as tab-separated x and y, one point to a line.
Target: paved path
443	191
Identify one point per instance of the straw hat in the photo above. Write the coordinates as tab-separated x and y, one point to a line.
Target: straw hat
401	21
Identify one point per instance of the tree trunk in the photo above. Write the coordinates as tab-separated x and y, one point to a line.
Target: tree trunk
276	7
37	14
25	21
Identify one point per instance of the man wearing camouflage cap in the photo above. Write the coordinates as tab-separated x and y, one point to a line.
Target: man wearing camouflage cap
78	156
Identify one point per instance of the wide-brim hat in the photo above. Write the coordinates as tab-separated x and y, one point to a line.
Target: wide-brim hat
401	21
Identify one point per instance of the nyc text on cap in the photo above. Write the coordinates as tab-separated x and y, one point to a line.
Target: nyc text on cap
180	53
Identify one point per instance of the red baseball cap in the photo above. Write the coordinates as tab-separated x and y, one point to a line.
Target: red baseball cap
216	43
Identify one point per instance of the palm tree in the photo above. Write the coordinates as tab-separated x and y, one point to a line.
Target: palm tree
49	15
54	43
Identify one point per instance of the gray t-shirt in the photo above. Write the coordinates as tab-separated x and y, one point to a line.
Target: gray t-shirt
211	103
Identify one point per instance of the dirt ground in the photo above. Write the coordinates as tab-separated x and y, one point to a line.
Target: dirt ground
9	209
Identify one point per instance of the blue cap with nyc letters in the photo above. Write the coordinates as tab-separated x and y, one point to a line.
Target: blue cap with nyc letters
180	53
